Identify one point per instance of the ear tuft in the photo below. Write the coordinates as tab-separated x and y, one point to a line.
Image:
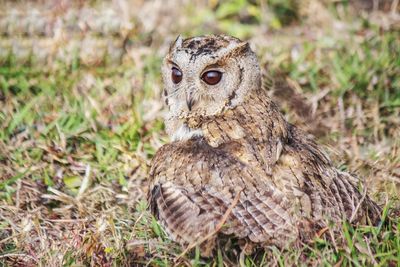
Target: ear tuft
242	48
239	49
177	44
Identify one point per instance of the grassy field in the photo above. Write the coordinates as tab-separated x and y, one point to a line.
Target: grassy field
81	118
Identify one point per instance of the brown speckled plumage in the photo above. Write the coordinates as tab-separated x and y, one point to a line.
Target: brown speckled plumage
235	141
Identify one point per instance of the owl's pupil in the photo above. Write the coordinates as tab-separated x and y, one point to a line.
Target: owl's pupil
212	77
176	75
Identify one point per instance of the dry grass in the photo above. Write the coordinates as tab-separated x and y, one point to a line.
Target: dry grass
80	119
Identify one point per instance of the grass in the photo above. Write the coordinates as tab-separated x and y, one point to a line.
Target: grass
80	124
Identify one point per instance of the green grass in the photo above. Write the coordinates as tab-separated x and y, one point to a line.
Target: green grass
76	139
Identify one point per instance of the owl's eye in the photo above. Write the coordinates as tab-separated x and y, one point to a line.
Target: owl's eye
176	75
212	77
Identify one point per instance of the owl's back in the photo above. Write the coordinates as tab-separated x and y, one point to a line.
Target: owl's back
287	187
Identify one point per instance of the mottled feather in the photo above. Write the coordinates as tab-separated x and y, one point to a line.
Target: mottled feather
237	142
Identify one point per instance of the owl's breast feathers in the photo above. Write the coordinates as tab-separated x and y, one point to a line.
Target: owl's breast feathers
286	180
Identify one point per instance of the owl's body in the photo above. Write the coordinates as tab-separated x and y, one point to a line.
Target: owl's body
232	141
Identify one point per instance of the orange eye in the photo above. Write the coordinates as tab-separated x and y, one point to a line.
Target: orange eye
176	75
212	77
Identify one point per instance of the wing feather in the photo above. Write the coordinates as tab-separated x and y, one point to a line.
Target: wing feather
190	211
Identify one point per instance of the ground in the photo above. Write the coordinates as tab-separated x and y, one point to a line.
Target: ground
81	118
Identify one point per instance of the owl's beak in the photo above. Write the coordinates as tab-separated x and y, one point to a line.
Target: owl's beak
189	101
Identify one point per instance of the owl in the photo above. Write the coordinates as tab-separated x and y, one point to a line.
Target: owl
235	166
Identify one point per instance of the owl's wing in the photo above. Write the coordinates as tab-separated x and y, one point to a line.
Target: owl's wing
193	185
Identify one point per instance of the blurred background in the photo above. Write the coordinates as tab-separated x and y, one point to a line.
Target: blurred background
81	110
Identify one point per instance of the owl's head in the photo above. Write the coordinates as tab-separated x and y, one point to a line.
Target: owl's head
203	76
